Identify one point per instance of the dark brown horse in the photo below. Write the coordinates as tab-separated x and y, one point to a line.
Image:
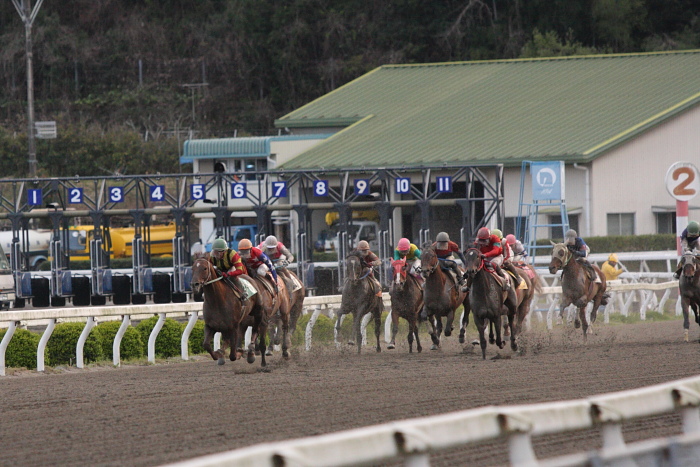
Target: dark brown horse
222	309
689	287
359	298
488	302
441	297
575	284
406	302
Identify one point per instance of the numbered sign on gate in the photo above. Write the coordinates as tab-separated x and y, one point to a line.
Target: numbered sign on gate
157	192
683	181
361	187
75	195
116	194
34	197
320	187
238	190
197	191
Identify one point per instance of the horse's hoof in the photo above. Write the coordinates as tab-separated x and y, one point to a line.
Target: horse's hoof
251	358
220	361
685	336
513	346
461	339
379	349
268	353
492	340
351	342
434	347
448	333
577	324
419	349
391	347
285	355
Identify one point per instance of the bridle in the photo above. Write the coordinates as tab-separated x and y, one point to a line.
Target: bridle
471	252
567	255
209	268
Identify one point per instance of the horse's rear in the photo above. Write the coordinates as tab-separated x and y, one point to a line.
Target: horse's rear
525	297
279	326
689	289
406	302
264	307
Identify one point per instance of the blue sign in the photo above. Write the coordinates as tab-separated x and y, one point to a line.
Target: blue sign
34	197
320	187
547	180
116	194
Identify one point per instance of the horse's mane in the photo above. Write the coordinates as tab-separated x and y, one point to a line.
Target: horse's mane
200	255
355	253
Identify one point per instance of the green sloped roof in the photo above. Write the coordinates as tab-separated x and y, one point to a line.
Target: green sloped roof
507	111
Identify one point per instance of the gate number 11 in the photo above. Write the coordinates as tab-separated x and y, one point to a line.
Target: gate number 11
444	184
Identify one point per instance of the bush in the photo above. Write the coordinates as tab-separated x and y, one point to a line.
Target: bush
131	346
322	332
61	345
196	337
21	352
168	340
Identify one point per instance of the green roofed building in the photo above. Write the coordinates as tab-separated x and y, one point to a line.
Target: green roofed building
618	121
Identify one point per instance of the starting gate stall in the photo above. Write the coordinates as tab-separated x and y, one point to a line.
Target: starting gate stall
397	194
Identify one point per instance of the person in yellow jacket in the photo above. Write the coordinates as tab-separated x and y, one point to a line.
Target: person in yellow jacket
612	268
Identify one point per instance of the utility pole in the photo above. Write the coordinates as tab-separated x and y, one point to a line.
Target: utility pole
28	15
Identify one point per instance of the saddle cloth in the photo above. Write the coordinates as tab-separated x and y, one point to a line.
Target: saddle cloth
297	284
250	290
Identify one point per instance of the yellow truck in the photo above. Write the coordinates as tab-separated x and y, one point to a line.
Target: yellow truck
161	241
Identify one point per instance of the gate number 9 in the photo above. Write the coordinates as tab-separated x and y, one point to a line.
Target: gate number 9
361	187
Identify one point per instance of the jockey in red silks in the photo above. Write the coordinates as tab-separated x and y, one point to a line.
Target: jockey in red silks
369	261
229	263
256	261
490	247
277	252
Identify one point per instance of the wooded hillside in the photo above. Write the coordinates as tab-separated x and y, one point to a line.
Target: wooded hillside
126	80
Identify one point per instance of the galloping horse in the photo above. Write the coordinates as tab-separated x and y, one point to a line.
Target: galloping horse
488	301
284	323
525	296
222	309
689	286
575	285
441	297
359	299
406	302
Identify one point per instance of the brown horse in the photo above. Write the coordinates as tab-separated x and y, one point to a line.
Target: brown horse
359	298
406	302
222	309
488	302
279	325
689	287
296	297
575	284
525	296
441	297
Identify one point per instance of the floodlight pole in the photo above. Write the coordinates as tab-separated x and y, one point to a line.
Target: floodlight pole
28	14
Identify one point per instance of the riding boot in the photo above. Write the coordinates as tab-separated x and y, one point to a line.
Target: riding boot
467	286
514	272
458	273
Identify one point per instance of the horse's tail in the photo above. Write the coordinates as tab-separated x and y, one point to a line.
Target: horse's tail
536	281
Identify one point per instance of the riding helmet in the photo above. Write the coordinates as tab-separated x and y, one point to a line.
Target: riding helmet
442	237
219	244
497	233
510	239
570	237
271	242
363	245
483	234
612	257
245	244
693	228
403	245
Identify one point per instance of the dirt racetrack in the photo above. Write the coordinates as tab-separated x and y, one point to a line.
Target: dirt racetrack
154	414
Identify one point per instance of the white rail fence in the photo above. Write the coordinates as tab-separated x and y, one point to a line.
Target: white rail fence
414	439
645	293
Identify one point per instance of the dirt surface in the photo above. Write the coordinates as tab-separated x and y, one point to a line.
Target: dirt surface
154	414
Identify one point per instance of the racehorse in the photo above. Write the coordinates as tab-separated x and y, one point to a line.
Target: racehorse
488	301
406	302
575	284
441	297
359	298
222	309
526	296
689	287
283	324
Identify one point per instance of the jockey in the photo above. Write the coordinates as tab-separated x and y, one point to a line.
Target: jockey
369	261
490	247
256	261
580	250
229	263
519	253
690	240
611	268
277	252
507	257
409	251
444	247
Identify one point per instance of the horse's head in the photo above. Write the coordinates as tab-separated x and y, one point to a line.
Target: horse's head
353	267
474	261
398	268
429	262
560	257
691	264
202	272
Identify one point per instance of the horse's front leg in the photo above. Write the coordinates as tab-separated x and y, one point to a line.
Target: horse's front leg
481	327
378	326
357	328
413	328
253	341
432	330
262	344
685	303
394	313
208	337
449	320
584	322
465	323
234	339
286	336
492	336
498	324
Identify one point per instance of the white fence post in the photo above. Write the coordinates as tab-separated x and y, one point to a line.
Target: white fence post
116	355
81	341
42	344
154	335
185	340
5	342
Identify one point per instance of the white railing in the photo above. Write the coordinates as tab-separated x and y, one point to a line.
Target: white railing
413	440
328	304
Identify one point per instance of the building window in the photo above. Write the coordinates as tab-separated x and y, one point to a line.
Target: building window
665	222
251	165
511	224
556	232
621	223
